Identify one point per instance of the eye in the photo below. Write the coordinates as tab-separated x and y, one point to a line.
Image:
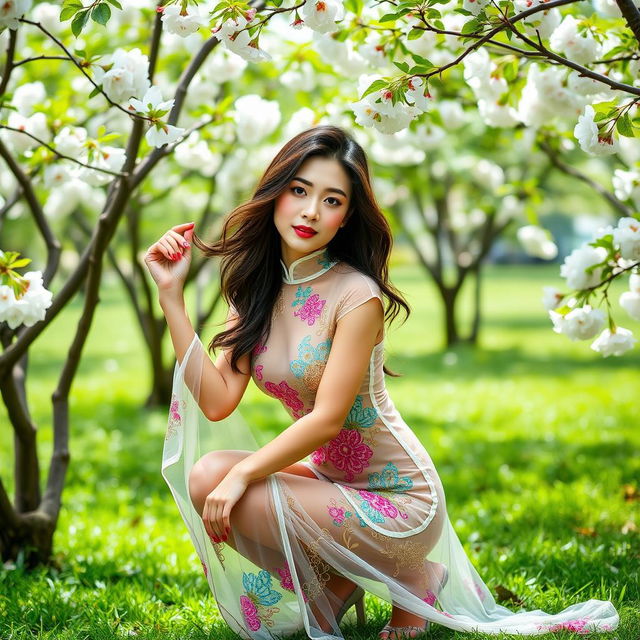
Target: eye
336	201
297	187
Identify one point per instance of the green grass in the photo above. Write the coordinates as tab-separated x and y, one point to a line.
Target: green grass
534	438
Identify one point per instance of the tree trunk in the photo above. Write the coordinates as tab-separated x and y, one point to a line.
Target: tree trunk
477	312
449	299
29	540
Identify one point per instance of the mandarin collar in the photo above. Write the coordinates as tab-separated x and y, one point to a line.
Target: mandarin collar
308	267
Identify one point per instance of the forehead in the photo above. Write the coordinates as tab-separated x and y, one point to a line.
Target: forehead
325	173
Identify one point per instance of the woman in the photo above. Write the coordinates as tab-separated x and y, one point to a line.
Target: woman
287	543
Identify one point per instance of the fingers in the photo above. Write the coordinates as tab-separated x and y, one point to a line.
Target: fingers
180	228
215	518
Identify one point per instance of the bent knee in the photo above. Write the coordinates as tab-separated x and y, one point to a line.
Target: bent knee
208	472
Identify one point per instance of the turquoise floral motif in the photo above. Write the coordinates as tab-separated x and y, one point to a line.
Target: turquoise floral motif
323	259
256	605
311	305
360	416
308	355
340	514
389	479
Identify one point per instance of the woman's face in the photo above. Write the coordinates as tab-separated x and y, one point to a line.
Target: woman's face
318	198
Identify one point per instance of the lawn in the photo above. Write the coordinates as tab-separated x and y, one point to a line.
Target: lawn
535	438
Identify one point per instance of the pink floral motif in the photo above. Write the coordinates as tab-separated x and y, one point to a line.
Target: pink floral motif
571	625
250	613
258	349
311	309
383	505
337	513
431	598
286	581
174	410
285	393
259	369
319	456
444	613
347	452
205	569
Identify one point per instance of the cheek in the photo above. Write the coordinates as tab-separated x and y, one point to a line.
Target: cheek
334	219
285	206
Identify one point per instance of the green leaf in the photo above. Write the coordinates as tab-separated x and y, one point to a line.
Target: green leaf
388	17
403	66
472	26
116	4
23	262
78	23
414	34
511	70
101	14
624	126
374	86
68	12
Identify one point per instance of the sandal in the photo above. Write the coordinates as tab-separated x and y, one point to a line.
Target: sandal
403	633
357	598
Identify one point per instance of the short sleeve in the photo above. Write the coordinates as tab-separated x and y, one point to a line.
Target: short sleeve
357	292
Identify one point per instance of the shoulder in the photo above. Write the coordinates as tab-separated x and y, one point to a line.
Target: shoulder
354	288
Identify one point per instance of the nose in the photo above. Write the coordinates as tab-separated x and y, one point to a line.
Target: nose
311	209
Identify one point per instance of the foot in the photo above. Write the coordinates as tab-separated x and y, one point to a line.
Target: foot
340	590
390	632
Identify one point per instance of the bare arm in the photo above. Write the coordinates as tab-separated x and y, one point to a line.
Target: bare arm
347	364
168	260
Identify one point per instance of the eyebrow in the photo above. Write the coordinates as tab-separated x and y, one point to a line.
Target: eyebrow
331	189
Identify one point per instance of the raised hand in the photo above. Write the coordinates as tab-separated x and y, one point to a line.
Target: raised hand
169	258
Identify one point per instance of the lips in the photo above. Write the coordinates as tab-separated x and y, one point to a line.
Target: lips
305	229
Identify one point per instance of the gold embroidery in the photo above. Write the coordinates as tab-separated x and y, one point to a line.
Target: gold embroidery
313	374
217	547
323	321
406	553
321	569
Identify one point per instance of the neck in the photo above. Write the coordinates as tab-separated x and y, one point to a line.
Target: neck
307	267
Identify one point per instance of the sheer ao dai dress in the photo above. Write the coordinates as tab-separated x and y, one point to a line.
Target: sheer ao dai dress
376	512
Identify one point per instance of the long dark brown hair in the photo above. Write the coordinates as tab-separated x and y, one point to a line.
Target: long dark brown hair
250	269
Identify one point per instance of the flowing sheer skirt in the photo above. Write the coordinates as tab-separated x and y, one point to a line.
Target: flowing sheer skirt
289	533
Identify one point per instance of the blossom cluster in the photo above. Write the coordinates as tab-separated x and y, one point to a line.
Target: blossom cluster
589	268
28	308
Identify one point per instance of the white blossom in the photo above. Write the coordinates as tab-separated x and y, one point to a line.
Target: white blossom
626	185
70	141
11	11
195	153
152	101
322	15
181	25
161	133
127	77
582	323
551	298
233	35
416	93
104	157
27	95
475	6
35	124
579	47
627	235
630	302
48	15
30	307
634	282
255	118
586	132
536	242
573	268
56	174
617	343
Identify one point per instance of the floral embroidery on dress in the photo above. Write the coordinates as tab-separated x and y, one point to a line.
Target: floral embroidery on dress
323	259
343	518
360	416
258	349
348	453
286	581
289	396
389	479
205	569
175	416
258	370
310	305
311	362
259	596
578	625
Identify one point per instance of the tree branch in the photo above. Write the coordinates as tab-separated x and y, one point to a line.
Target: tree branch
619	206
631	15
